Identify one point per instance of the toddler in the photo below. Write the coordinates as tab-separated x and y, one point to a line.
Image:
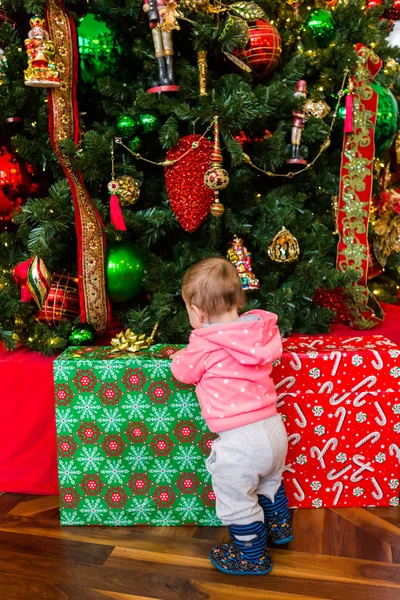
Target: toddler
229	358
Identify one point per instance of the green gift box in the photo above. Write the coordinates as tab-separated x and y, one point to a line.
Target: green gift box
131	441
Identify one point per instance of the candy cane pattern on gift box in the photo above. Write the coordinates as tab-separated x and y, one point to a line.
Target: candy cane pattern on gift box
394	450
341	413
333	474
326	387
296	364
378	363
302	421
299	495
315	452
378	493
337	356
358	475
288	382
381	420
374	436
339	487
311	344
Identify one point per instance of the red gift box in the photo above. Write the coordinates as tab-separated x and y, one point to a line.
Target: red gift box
340	400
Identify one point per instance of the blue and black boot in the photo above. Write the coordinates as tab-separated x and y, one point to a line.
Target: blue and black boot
277	517
247	555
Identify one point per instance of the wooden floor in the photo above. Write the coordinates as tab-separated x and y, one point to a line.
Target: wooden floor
336	554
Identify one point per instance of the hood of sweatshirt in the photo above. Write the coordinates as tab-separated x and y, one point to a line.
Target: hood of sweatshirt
255	341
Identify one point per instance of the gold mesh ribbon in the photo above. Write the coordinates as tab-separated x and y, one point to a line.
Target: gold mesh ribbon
63	125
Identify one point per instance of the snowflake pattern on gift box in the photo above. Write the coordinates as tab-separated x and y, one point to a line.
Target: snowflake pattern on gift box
93	510
71	519
62	370
206	442
164	496
165	519
162	470
113	445
87	407
208	496
161	445
84	381
63	394
66	446
110	369
188	483
139	483
89	433
109	393
111	420
185	431
114	471
139	458
189	508
142	509
116	497
118	519
90	459
185	405
69	497
136	406
187	458
67	472
65	421
209	519
159	392
134	380
137	432
160	419
91	485
159	369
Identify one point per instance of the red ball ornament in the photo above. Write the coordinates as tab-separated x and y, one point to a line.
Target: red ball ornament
263	49
189	198
393	13
62	302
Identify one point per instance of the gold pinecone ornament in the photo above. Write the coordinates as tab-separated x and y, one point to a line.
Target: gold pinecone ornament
284	247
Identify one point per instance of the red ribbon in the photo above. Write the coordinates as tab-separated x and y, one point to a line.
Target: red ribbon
356	178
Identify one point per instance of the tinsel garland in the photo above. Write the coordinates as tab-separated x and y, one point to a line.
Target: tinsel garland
63	125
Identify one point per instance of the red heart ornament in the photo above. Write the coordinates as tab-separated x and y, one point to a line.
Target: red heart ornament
189	198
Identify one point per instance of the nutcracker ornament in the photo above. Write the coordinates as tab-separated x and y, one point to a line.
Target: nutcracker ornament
241	258
163	46
41	71
299	118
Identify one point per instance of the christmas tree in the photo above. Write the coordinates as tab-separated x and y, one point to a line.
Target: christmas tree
266	80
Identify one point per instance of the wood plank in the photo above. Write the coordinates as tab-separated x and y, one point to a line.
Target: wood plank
36	506
339	536
372	523
308	529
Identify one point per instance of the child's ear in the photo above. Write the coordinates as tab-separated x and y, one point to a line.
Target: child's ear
200	313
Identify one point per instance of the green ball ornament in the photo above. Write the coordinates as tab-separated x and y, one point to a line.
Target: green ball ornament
127	125
82	335
124	271
149	122
135	143
386	118
321	25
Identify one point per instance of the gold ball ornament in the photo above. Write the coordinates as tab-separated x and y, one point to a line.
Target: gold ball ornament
217	209
216	178
284	247
128	190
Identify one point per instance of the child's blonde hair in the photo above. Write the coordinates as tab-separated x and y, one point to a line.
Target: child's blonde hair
213	285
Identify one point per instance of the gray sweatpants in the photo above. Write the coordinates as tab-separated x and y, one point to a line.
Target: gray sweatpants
244	462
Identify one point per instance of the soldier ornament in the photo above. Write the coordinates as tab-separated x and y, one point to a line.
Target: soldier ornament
41	71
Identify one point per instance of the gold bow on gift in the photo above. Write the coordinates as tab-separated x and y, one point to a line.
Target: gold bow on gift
128	341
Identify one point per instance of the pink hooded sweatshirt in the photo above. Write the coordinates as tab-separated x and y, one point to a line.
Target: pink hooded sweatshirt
231	364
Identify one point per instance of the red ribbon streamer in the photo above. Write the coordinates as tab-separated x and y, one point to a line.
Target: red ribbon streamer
64	124
356	178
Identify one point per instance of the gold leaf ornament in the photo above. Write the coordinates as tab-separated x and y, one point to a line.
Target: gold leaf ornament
237	31
284	247
249	11
128	341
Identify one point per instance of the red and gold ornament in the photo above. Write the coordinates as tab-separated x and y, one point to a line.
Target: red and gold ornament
216	178
62	302
189	198
263	49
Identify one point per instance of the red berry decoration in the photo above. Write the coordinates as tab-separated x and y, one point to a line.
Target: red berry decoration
263	49
189	198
